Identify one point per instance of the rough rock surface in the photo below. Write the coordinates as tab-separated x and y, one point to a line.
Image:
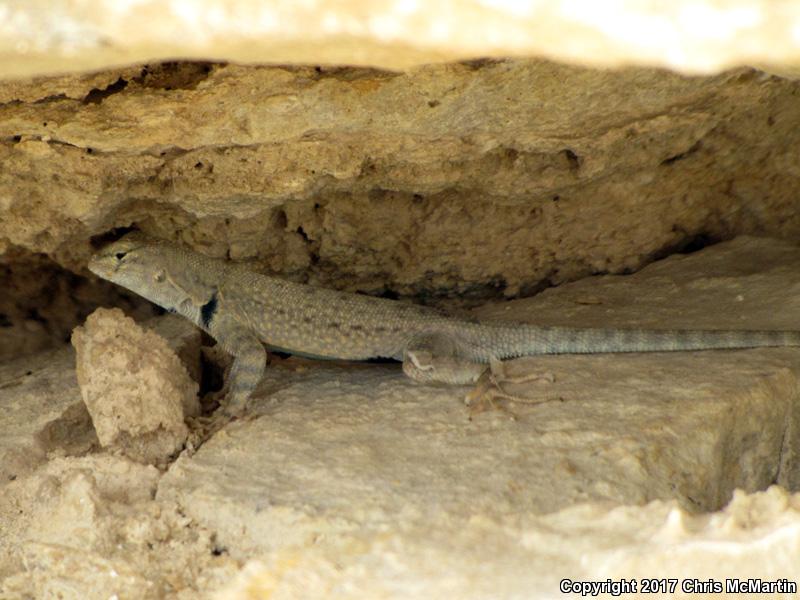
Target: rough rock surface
40	303
40	412
136	389
527	556
340	447
469	180
89	528
454	182
693	35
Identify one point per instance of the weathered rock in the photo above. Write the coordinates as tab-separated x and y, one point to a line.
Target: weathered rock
340	449
526	556
41	412
184	339
468	180
135	387
86	528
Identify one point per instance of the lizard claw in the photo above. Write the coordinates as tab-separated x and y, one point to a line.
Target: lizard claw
499	375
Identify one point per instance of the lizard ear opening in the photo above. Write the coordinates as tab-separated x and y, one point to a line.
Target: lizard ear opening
160	276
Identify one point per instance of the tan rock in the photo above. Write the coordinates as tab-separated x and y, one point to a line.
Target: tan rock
88	528
461	180
135	387
525	556
41	412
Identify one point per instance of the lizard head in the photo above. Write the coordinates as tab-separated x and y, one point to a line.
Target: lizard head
160	271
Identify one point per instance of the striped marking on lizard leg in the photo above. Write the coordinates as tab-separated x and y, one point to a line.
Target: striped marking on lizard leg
249	361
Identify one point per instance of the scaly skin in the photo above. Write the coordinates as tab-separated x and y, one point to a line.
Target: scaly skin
243	310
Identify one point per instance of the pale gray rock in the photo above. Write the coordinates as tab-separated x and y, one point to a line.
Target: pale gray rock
41	411
524	557
87	528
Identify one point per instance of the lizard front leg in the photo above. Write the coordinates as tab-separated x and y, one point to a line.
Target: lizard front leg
249	362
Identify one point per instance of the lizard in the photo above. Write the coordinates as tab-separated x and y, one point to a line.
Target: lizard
245	311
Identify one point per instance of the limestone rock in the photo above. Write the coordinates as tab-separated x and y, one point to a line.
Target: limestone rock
135	387
184	339
381	451
464	180
88	528
425	150
41	412
525	556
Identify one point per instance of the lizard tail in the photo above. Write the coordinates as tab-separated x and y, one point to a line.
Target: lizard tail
523	340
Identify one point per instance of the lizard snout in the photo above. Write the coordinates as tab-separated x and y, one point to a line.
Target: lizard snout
101	266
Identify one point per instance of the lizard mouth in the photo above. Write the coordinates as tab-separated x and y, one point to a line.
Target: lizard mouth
100	267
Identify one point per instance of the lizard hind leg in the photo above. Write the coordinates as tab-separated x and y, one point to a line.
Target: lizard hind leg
435	358
438	358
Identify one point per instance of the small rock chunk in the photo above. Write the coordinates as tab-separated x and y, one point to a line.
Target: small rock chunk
134	386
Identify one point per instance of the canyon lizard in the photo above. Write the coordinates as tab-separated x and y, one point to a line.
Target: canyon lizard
242	310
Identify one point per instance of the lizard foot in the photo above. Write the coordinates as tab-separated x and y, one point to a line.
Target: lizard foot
489	389
484	397
498	374
221	403
233	408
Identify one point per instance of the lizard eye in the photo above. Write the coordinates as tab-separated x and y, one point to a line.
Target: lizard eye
120	255
159	276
